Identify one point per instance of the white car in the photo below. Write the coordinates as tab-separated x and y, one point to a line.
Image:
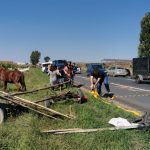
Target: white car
44	66
117	71
77	70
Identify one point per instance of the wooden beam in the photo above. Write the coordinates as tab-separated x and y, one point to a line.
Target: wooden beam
79	130
32	105
21	104
39	89
53	97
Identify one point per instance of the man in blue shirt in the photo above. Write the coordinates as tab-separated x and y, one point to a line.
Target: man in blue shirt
97	77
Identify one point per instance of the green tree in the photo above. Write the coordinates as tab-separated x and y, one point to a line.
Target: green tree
144	46
35	56
46	59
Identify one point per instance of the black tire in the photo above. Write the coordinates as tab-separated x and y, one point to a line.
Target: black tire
137	80
2	115
113	75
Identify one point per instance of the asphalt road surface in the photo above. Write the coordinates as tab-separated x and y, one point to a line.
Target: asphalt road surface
126	91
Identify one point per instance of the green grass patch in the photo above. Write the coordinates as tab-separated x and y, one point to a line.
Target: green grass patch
23	132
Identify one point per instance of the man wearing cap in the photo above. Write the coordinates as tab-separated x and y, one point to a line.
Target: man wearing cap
97	77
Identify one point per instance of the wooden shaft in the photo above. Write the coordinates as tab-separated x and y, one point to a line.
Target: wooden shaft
76	130
35	105
35	90
23	105
53	97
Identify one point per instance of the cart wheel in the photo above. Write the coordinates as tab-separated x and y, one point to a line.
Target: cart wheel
2	114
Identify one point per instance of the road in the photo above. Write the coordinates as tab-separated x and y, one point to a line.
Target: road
126	91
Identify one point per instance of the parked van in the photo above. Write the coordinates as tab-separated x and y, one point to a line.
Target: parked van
45	66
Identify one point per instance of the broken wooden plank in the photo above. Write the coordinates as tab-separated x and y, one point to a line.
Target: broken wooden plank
79	130
21	104
32	105
61	130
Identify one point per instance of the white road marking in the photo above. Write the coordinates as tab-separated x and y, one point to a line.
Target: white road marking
130	87
125	96
125	87
122	86
130	79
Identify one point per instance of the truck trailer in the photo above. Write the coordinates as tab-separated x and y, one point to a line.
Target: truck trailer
141	69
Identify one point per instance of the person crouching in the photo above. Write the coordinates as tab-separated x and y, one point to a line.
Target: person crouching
97	77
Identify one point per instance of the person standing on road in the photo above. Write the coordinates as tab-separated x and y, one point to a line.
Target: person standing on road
97	77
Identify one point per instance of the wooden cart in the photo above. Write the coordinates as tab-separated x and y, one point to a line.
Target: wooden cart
14	101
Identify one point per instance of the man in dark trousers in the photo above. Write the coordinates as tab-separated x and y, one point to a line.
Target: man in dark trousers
97	77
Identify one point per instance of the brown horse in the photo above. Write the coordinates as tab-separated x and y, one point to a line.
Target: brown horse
12	76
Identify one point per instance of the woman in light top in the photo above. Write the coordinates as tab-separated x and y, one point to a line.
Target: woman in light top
52	73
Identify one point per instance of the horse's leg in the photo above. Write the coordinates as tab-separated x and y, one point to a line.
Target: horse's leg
22	82
23	86
18	85
5	85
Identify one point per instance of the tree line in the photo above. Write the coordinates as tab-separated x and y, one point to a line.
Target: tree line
144	45
35	57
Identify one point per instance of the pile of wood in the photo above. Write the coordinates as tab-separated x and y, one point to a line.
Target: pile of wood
34	106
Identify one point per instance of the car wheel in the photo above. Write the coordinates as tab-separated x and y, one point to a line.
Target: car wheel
113	75
137	80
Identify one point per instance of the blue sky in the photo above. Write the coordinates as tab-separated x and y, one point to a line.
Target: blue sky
77	30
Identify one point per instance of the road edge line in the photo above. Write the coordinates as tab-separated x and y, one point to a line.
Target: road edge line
136	113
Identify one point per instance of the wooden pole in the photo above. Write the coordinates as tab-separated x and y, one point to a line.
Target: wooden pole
21	104
53	97
36	90
34	105
61	130
78	130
